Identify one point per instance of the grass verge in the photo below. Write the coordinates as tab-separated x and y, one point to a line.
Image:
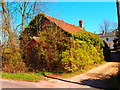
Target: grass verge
32	77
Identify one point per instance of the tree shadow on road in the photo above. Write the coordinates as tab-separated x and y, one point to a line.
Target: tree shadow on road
106	83
100	81
60	79
95	83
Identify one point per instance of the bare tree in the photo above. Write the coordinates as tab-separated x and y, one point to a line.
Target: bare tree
6	22
14	12
27	10
108	26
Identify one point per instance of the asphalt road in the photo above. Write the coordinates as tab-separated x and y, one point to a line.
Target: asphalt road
17	84
43	84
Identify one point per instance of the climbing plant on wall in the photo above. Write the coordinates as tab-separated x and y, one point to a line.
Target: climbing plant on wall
58	49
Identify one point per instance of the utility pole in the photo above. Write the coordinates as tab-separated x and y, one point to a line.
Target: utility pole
118	13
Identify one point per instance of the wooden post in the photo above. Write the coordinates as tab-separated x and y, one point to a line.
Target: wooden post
118	13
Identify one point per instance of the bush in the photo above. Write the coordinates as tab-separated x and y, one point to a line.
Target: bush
12	61
81	56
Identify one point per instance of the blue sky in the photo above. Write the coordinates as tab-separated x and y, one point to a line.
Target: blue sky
93	13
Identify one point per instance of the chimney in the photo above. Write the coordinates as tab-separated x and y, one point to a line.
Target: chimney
81	23
103	32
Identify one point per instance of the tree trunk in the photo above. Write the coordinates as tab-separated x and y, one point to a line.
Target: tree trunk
7	24
118	12
23	15
23	22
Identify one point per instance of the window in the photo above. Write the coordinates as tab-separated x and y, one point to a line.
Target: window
107	39
115	38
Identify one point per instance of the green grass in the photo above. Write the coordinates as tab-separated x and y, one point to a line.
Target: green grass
113	51
33	77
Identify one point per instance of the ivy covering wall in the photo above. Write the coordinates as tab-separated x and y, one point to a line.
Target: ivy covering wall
59	50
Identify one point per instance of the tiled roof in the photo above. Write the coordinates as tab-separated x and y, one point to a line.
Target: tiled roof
65	26
112	34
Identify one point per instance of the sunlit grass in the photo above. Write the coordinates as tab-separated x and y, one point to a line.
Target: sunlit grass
113	51
34	77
